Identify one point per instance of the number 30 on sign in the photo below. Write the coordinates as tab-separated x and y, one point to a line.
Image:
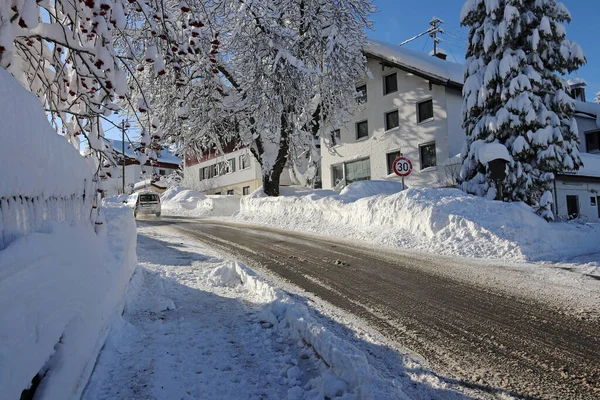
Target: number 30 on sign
402	166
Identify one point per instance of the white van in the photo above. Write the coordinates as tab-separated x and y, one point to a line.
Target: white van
144	203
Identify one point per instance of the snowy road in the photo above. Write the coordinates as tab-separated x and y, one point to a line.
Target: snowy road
515	332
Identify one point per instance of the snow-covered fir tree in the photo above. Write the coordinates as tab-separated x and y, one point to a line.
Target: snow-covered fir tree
514	95
281	73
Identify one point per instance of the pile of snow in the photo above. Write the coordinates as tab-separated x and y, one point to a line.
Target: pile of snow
190	203
60	288
294	320
442	221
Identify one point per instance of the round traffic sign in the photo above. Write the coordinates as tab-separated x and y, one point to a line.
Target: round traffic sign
402	166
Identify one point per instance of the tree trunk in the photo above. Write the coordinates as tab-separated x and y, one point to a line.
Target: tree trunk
271	184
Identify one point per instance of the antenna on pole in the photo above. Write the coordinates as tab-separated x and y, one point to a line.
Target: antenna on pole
433	31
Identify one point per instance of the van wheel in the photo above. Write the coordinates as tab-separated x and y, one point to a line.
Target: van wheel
158	214
134	214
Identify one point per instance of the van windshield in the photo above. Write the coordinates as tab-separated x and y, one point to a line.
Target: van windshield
148	197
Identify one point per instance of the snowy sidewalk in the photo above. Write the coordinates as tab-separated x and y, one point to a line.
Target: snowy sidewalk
182	337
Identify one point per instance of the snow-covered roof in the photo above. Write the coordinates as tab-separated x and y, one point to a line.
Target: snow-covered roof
587	107
165	156
591	165
416	62
576	82
148	183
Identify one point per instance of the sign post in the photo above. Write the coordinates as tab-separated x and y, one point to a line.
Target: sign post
402	167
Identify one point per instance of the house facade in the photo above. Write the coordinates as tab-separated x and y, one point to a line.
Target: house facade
577	194
410	106
235	172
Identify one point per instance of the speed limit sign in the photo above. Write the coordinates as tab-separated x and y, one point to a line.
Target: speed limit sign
402	166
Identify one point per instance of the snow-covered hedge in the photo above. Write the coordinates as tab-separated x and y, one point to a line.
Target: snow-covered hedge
43	178
442	221
60	282
59	289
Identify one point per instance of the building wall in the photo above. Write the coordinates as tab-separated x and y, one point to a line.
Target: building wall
405	138
236	181
584	191
585	124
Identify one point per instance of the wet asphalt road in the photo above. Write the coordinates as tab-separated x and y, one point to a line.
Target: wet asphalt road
487	339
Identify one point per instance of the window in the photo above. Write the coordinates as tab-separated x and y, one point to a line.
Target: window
391	120
218	193
362	130
246	190
362	94
427	153
357	171
390	84
230	192
231	165
347	173
245	161
390	160
205	173
592	141
201	174
424	111
214	170
337	136
161	172
593	201
338	174
572	206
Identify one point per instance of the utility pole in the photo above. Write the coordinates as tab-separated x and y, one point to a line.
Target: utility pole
434	30
123	153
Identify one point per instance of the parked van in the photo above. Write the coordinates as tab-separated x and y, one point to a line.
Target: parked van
144	203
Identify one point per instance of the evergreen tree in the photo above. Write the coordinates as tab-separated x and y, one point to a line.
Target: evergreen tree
514	95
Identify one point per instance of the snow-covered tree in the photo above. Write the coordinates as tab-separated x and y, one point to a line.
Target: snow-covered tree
514	95
81	59
280	73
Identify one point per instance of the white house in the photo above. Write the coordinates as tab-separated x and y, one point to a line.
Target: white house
411	105
577	194
167	163
235	172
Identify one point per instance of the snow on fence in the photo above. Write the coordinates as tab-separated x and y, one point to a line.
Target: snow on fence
20	215
42	177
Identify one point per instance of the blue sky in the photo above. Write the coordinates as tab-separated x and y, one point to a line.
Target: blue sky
398	20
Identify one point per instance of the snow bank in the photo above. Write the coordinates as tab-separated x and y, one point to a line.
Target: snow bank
59	289
53	167
190	203
42	177
444	221
294	320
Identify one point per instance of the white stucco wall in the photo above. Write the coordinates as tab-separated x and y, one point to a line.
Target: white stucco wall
235	181
585	124
407	137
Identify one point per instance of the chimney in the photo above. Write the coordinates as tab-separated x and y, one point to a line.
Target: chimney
439	53
577	88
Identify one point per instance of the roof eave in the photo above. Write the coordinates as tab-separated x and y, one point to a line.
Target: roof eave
431	77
